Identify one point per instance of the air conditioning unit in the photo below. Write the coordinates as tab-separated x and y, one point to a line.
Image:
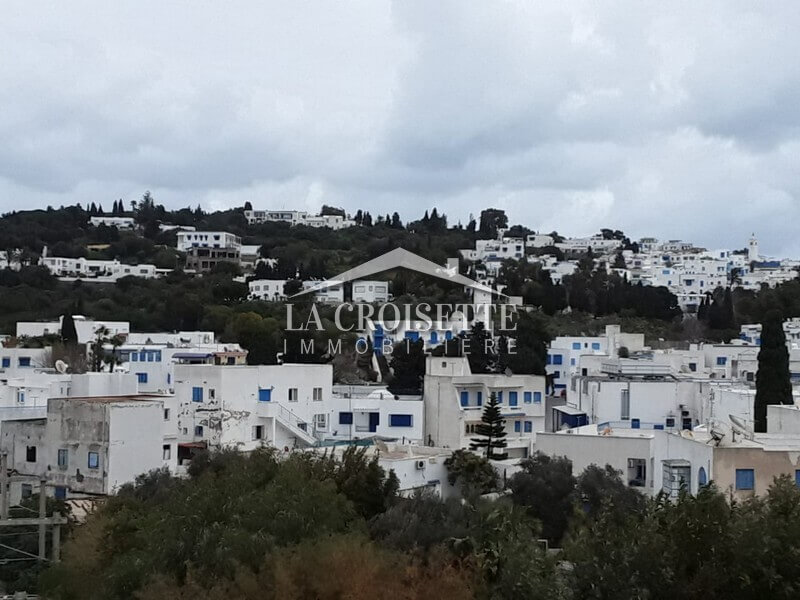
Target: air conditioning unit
420	465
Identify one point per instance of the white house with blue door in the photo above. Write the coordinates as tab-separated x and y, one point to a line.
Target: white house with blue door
358	412
454	400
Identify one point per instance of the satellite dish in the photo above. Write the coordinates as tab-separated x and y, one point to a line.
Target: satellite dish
739	426
61	366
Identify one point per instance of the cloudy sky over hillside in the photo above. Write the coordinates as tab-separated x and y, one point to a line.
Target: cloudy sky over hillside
677	121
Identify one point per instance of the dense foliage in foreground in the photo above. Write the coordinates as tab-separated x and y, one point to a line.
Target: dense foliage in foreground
310	526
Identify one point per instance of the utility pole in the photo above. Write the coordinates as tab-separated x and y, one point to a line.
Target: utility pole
42	521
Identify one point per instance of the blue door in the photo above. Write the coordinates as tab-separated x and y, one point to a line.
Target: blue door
374	421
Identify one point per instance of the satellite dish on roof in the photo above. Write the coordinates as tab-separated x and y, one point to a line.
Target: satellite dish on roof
61	366
739	426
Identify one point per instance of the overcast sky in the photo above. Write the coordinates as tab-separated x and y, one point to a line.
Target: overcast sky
674	121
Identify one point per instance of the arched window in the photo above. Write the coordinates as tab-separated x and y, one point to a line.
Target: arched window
701	477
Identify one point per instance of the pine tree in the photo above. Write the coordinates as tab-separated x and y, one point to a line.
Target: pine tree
773	383
491	431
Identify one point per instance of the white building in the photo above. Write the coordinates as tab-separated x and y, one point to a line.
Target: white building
87	329
119	222
207	239
270	290
454	399
296	217
101	271
89	445
370	291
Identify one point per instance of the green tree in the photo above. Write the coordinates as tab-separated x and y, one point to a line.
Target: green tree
408	367
491	431
473	473
546	487
773	383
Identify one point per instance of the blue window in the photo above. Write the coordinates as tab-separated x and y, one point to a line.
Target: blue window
264	395
142	356
169	378
549	359
500	397
572	361
595	345
94	460
537	397
635	424
134	357
745	479
150	356
345	418
6	362
412	335
60	492
63	457
722	361
400	420
558	359
24	361
448	335
141	377
198	430
517	426
512	398
197	394
465	398
480	398
576	345
702	479
528	426
693	367
527	397
157	354
434	337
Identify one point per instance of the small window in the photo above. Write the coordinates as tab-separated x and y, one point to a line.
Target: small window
141	377
517	426
166	414
464	398
293	395
321	421
576	345
558	359
537	397
258	432
198	430
212	393
166	452
512	398
30	454
6	362
24	361
63	458
595	345
693	367
345	418
670	422
745	479
722	361
197	394
264	395
94	460
527	397
27	491
625	405
317	393
500	397
400	420
528	426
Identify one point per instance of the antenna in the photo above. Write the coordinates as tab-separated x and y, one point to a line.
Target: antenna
61	366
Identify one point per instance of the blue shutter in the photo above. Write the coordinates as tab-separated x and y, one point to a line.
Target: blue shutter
537	397
400	420
517	426
264	395
595	345
480	398
141	377
576	345
345	418
512	398
465	398
197	394
6	362
528	426
526	397
558	359
745	479
500	397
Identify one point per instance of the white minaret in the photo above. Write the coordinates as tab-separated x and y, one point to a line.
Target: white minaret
752	249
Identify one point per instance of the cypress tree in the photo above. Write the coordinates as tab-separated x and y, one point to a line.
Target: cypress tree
773	384
491	431
69	335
